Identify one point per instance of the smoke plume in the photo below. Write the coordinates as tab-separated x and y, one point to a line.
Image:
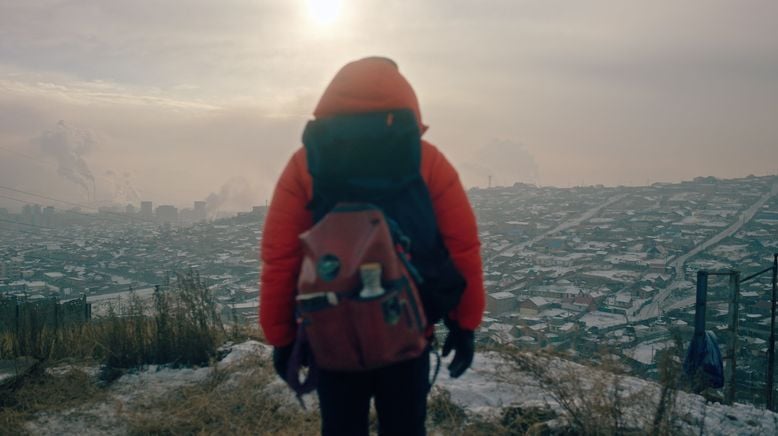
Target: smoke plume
68	145
236	194
123	191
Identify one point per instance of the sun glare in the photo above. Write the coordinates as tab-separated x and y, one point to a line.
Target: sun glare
324	11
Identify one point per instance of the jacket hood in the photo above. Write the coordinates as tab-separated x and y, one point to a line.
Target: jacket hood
368	85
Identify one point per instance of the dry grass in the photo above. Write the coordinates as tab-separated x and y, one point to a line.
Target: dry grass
451	419
443	413
596	401
236	401
591	407
665	421
42	391
79	341
532	421
180	326
242	399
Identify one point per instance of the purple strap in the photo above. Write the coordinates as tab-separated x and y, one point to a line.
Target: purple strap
302	356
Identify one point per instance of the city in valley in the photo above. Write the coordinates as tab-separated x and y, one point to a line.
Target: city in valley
584	270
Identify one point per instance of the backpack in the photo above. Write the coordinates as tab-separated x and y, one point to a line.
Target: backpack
371	206
357	300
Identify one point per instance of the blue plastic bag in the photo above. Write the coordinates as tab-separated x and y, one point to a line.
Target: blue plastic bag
703	359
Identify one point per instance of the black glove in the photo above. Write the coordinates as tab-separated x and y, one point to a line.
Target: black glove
463	343
281	357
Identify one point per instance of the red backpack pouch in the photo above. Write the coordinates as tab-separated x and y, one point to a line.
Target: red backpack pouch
347	329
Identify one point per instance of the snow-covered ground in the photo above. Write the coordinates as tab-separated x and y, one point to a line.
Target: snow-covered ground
603	319
133	390
105	417
493	383
646	351
616	275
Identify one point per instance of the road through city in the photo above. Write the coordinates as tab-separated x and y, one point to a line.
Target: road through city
657	305
590	213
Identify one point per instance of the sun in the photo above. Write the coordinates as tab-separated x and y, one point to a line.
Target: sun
324	11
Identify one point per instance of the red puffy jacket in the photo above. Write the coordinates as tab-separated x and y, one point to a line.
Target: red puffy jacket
367	85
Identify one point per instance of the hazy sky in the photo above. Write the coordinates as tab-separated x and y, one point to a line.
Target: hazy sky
173	101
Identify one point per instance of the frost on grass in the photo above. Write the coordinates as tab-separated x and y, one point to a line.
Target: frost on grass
503	393
239	394
588	400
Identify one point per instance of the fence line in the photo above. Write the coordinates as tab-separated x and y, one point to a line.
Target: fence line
734	285
22	314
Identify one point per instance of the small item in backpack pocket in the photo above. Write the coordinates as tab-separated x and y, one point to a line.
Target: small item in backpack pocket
371	280
392	309
317	301
328	267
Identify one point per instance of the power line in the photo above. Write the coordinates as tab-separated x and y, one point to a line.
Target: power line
91	216
43	162
53	165
70	203
139	218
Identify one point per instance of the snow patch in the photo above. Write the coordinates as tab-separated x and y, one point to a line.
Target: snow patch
244	350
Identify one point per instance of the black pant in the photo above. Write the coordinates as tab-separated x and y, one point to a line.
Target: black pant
400	392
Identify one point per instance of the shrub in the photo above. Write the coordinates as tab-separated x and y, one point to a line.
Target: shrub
180	327
596	401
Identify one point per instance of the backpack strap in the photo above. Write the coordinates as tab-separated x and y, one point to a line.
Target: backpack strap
302	356
434	349
375	157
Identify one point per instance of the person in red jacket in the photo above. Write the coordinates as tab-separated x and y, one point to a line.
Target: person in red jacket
370	85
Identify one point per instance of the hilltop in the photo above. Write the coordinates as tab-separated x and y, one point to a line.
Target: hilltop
570	269
506	392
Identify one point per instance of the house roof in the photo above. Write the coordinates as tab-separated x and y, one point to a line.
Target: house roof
538	301
504	295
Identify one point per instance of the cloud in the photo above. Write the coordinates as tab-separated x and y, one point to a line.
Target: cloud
230	50
599	90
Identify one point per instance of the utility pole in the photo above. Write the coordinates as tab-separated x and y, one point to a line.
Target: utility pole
734	306
771	345
701	304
